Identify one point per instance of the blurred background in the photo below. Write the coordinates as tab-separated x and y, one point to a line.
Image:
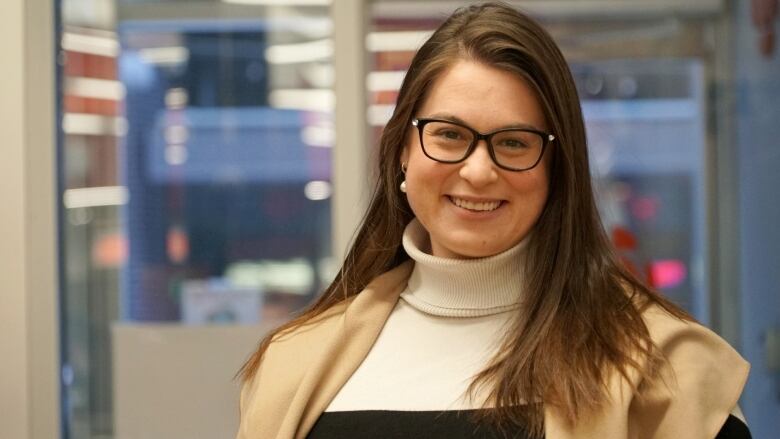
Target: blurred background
213	158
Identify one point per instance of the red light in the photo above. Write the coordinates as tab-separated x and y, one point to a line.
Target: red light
177	244
110	251
645	208
668	273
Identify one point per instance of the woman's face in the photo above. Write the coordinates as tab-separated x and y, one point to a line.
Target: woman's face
486	99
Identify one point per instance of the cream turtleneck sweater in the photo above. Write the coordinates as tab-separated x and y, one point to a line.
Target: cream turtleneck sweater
442	332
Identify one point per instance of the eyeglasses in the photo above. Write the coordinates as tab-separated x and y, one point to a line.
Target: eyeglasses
513	149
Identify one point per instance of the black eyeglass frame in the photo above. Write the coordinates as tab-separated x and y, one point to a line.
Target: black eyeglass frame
546	138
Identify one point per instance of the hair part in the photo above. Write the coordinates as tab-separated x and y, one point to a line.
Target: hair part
581	321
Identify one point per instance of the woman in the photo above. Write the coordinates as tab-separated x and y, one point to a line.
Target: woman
481	297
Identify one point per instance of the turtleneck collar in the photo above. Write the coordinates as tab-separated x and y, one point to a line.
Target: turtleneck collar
461	287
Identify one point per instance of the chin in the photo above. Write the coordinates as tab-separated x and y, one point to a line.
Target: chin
486	253
473	250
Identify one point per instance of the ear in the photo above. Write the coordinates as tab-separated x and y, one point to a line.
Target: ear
404	154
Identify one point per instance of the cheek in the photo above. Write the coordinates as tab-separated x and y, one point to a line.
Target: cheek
532	191
425	183
421	172
542	188
421	184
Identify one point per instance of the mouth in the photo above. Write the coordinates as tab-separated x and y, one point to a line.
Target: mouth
476	206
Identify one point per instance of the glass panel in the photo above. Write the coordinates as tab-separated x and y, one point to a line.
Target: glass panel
196	166
195	170
646	136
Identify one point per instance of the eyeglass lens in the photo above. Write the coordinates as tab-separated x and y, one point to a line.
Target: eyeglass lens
518	149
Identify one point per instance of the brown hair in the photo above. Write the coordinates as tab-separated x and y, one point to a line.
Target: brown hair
582	318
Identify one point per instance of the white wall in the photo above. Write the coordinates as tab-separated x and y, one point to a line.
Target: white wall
29	401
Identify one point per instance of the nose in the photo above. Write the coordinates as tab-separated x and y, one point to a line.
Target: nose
478	168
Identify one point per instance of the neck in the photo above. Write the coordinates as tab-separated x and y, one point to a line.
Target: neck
462	287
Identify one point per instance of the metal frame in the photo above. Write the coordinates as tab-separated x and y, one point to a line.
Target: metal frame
723	180
552	9
350	154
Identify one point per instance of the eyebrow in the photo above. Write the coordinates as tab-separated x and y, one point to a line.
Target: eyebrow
453	118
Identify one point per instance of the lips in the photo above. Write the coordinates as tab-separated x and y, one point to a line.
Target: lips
477	206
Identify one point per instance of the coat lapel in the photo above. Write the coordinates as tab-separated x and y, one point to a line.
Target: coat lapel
305	375
344	351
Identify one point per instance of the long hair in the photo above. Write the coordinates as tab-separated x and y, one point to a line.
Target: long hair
581	320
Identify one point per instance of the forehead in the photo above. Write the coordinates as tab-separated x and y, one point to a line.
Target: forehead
483	96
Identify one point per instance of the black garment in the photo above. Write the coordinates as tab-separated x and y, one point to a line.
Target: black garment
387	424
734	429
450	424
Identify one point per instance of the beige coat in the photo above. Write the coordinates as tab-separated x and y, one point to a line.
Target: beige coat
302	372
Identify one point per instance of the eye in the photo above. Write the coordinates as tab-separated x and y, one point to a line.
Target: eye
450	134
444	132
513	143
516	140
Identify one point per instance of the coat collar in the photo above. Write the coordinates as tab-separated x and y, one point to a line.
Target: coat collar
304	373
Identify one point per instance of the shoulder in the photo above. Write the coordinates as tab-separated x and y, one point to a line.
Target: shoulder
690	347
291	351
309	333
312	333
267	395
271	391
303	340
697	384
271	388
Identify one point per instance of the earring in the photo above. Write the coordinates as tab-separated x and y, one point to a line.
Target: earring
403	183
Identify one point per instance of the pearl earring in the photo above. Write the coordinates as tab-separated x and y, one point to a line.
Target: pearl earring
403	183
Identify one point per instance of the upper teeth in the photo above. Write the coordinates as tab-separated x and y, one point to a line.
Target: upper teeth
470	205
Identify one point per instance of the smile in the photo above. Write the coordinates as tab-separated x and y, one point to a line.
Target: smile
485	206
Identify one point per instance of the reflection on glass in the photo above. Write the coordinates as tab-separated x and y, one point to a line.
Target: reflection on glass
646	136
222	167
197	165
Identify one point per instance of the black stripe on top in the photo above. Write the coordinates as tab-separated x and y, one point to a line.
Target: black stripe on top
390	424
734	428
449	424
